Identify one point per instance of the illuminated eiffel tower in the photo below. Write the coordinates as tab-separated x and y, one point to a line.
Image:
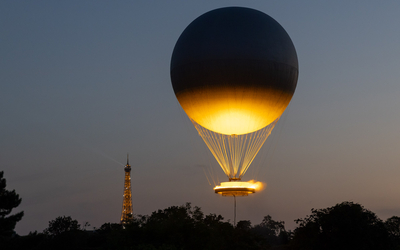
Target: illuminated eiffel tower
127	202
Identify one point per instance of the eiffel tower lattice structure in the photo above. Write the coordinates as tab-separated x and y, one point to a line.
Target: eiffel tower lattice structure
127	201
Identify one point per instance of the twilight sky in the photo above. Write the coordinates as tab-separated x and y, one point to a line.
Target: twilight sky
83	83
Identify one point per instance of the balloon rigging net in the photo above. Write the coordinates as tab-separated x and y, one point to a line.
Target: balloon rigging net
234	153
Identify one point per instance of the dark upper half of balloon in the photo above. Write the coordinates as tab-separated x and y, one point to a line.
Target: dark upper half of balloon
234	33
233	39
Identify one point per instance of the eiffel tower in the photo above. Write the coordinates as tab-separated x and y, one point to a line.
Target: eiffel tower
127	201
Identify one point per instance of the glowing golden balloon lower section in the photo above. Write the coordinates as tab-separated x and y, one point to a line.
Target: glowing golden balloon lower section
234	110
238	188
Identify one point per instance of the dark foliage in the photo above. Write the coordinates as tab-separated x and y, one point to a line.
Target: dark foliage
393	227
8	201
273	231
344	226
177	227
61	225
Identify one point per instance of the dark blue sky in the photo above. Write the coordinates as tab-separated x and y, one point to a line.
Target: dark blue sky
84	83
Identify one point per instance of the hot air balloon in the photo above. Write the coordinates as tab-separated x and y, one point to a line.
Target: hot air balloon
234	71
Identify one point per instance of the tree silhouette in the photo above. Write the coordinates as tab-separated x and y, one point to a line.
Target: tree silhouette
272	231
8	201
65	233
344	226
61	225
393	227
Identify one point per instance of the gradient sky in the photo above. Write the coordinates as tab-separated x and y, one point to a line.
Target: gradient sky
83	83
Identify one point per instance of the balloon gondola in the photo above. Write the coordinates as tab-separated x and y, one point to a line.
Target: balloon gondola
235	188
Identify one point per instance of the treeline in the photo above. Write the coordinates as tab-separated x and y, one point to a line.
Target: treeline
344	226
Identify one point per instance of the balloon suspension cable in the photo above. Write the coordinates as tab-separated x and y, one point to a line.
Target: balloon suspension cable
234	211
234	153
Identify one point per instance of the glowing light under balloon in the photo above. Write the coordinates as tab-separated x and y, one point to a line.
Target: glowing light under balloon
239	188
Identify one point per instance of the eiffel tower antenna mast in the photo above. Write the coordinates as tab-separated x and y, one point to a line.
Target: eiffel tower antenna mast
127	201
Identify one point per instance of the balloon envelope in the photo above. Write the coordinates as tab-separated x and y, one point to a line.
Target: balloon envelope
234	70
